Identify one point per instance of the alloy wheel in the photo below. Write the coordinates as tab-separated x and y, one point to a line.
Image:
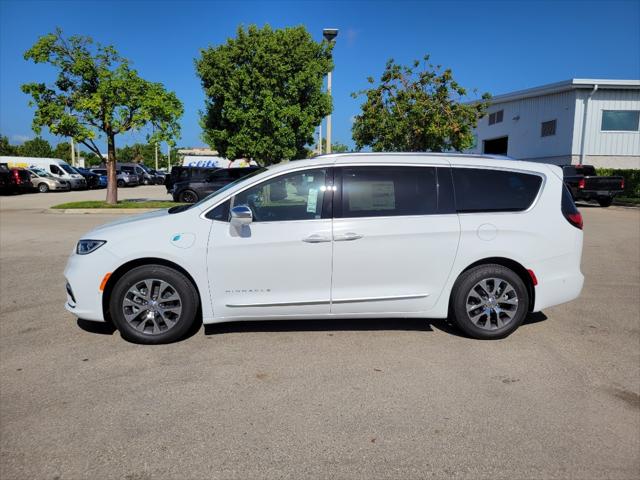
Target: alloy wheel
492	303
152	306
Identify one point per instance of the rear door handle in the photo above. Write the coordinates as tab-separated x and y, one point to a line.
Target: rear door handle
316	238
347	237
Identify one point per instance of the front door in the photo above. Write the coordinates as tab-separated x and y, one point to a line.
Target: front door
279	265
395	239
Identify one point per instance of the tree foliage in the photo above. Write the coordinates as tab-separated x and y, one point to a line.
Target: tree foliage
414	110
97	93
6	148
36	147
62	151
264	95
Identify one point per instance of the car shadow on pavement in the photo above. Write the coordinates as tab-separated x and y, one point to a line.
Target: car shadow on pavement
101	328
377	324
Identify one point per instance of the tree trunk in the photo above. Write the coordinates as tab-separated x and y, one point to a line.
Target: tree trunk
112	180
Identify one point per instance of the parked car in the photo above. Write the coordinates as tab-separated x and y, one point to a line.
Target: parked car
159	176
585	184
135	169
44	181
14	180
102	181
341	236
190	191
92	179
123	178
183	174
56	167
148	177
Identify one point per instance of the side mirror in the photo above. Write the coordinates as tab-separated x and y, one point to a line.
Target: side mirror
241	215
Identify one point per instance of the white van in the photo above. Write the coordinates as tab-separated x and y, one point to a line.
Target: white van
56	167
479	239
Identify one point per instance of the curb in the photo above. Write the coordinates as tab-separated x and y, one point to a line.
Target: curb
100	211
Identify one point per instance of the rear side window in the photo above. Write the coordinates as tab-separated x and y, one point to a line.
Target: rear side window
388	191
485	190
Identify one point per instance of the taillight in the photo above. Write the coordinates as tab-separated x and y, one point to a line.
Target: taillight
16	176
575	219
622	184
569	210
581	183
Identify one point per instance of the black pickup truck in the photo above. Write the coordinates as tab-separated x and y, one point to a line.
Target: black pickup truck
585	184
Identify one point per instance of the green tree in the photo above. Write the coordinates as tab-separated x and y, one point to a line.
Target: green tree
6	148
416	110
264	93
97	93
37	147
62	151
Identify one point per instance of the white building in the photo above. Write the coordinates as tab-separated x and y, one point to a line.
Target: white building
587	121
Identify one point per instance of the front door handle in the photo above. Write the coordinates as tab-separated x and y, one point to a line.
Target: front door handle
316	238
347	237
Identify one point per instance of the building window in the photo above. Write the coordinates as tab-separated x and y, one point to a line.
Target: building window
548	128
496	117
620	120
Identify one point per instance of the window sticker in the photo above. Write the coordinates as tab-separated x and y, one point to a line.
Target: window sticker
372	196
312	200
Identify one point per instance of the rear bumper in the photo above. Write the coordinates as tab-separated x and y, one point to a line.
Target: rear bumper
557	290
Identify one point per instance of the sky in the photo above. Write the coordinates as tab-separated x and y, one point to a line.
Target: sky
494	47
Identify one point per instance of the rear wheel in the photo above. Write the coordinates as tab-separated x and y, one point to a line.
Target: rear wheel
153	304
605	201
188	196
489	301
43	188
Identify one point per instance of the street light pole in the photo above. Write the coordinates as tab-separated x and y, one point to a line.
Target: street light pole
329	34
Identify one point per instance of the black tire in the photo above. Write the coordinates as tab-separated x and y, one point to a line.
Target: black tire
120	183
510	315
605	201
43	187
188	196
138	330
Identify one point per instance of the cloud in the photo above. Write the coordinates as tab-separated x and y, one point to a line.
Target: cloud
20	139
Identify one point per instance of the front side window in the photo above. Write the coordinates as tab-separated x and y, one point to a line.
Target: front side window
55	170
485	190
292	196
388	191
620	120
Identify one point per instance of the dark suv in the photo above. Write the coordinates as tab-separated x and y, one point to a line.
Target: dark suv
198	187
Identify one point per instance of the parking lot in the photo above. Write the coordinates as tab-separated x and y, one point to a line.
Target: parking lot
386	398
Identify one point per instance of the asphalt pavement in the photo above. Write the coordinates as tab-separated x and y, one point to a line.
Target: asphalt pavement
388	398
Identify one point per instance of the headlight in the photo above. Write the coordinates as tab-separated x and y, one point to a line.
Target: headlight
85	247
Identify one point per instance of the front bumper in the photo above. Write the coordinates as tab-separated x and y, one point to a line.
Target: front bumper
83	275
78	183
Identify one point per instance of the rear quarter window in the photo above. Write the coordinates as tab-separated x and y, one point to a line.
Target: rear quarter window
486	190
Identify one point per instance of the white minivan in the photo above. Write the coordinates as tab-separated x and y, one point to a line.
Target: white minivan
56	167
481	240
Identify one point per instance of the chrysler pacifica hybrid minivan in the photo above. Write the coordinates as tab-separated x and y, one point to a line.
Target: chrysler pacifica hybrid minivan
480	240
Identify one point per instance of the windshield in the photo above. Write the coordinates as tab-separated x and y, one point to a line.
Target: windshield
67	168
225	188
42	173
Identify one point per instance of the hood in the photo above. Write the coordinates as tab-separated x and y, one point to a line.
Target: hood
133	221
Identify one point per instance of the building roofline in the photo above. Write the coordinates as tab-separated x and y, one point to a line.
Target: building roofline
566	85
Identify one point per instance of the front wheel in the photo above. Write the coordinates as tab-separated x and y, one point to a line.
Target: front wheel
489	302
188	196
43	188
120	183
605	201
153	304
